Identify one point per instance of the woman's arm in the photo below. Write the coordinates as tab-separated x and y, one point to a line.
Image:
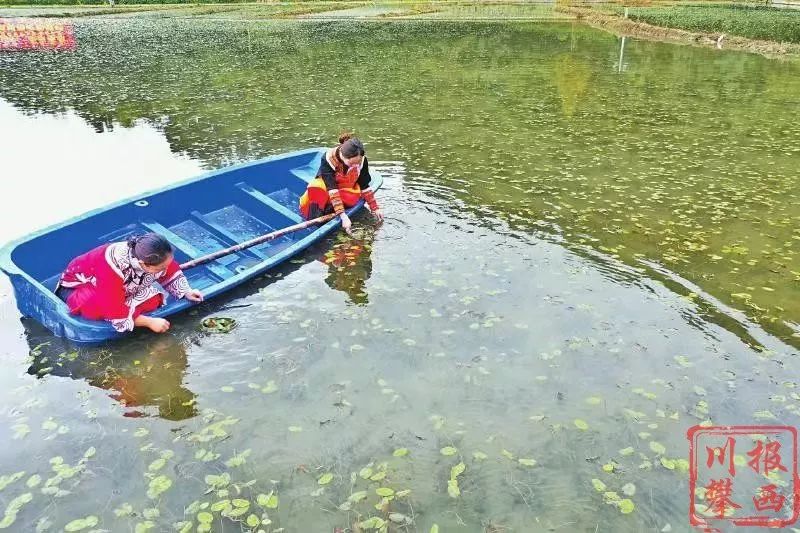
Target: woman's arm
364	179
177	285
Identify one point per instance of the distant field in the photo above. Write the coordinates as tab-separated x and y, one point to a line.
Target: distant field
754	22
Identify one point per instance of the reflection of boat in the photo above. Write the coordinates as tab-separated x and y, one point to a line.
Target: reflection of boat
147	380
199	216
350	265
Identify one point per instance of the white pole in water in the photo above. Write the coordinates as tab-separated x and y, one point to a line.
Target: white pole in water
621	52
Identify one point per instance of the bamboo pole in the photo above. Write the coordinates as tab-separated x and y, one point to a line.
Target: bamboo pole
255	241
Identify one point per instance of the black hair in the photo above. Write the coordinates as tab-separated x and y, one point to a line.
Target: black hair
350	146
150	248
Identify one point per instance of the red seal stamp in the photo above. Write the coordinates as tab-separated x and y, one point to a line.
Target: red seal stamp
743	476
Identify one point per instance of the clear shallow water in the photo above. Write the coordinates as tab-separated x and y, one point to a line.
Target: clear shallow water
461	324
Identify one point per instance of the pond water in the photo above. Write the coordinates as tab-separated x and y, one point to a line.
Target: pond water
588	251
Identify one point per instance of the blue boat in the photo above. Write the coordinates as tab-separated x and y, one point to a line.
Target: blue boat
225	207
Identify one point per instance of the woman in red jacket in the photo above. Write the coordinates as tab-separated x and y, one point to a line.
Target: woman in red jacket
116	282
342	180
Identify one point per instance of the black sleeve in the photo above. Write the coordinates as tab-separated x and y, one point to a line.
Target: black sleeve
364	178
327	173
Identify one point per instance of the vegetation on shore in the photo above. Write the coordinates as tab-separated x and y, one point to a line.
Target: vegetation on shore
752	21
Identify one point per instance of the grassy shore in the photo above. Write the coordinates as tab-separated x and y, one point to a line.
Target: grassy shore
772	32
752	21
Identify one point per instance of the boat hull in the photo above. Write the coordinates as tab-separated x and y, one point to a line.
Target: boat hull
198	216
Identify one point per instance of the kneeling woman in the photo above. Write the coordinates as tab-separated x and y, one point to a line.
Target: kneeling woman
116	282
342	180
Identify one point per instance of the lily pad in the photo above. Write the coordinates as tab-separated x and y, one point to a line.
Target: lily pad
448	450
218	324
158	486
626	506
452	488
82	523
658	448
325	478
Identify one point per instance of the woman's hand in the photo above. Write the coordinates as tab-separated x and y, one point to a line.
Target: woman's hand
157	325
378	214
193	295
346	224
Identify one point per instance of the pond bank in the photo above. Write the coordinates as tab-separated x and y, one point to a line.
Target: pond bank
622	26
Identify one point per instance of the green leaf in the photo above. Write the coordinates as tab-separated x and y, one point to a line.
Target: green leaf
158	486
9	479
448	450
226	388
325	478
141	432
400	452
295	429
365	473
457	470
82	523
183	527
372	523
594	400
626	506
235	512
384	492
434	528
629	489
378	477
452	488
125	509
358	496
205	518
627	451
252	521
220	506
507	454
599	486
658	448
669	464
479	456
157	465
609	467
581	424
151	514
272	501
527	462
241	503
238	459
